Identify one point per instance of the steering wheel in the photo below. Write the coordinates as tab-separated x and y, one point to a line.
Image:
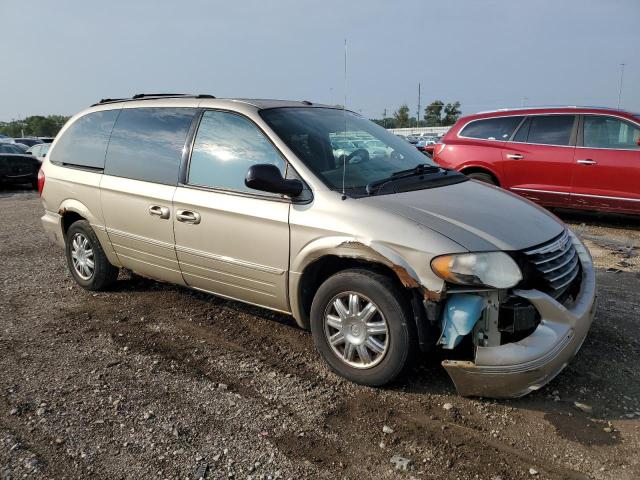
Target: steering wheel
360	152
395	155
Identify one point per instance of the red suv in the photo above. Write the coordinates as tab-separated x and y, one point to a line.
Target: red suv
573	157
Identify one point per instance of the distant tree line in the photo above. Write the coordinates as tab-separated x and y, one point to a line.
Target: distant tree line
436	114
34	126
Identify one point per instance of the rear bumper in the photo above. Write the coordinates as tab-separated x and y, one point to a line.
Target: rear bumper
52	224
515	369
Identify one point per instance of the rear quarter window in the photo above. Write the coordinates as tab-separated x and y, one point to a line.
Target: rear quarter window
499	128
146	144
84	143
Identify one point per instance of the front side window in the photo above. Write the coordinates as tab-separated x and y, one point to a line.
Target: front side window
147	144
499	128
317	134
225	146
608	132
547	130
84	143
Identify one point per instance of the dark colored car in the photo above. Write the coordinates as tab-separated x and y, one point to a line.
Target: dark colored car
11	148
574	157
19	169
28	141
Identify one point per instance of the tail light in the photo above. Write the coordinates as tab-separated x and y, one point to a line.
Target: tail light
41	179
437	150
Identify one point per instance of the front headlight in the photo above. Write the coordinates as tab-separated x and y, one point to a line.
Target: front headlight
491	269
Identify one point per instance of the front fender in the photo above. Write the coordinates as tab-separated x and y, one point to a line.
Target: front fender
355	248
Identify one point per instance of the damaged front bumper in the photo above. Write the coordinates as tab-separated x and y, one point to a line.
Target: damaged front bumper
516	369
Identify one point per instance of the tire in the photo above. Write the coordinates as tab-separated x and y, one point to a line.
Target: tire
82	240
398	341
483	177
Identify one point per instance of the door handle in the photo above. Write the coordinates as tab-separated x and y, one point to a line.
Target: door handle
515	156
187	216
160	211
586	161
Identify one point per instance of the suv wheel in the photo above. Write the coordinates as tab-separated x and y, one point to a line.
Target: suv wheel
483	177
86	259
361	328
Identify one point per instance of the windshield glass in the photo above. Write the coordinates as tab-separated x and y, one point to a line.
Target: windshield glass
315	135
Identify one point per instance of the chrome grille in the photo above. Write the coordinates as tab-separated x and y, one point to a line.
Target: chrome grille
556	265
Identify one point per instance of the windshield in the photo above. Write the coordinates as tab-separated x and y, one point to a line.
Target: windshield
314	133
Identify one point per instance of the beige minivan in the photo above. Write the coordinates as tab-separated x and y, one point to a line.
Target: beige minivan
378	251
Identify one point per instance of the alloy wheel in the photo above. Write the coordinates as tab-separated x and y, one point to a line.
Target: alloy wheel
356	330
82	256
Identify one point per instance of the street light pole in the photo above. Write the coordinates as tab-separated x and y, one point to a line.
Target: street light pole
620	84
418	114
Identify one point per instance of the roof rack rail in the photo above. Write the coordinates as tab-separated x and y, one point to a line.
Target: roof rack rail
150	96
145	95
540	107
107	100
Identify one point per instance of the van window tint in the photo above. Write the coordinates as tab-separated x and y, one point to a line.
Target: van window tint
499	128
146	144
225	146
609	132
551	129
84	143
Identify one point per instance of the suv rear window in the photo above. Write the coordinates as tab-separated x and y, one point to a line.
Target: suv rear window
499	128
84	143
146	144
546	130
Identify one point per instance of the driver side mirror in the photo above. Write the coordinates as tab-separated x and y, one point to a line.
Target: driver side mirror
267	178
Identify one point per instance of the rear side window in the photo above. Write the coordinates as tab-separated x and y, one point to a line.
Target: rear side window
547	130
499	128
84	143
146	144
226	145
609	132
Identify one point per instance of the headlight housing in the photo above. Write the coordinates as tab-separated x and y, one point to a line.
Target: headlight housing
490	269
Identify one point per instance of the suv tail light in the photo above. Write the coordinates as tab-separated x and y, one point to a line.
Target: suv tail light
438	148
41	179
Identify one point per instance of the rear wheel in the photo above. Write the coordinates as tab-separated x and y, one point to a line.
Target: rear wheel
87	261
483	177
361	326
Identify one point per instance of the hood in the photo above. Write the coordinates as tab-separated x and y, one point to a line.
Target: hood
475	215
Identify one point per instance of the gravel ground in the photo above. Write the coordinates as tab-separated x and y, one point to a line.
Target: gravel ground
155	381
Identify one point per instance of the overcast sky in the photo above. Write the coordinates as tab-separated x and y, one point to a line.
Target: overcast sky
60	56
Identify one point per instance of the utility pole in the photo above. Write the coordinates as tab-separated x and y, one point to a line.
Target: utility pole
622	65
418	113
384	118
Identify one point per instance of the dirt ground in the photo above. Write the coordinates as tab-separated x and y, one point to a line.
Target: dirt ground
156	381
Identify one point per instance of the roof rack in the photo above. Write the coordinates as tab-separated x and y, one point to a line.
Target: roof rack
151	96
538	107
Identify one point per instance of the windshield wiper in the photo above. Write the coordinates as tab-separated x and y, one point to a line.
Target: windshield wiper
420	169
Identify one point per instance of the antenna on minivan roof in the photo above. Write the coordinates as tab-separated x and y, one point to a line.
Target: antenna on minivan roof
344	114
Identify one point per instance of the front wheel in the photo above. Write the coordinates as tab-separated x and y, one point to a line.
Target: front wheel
361	326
